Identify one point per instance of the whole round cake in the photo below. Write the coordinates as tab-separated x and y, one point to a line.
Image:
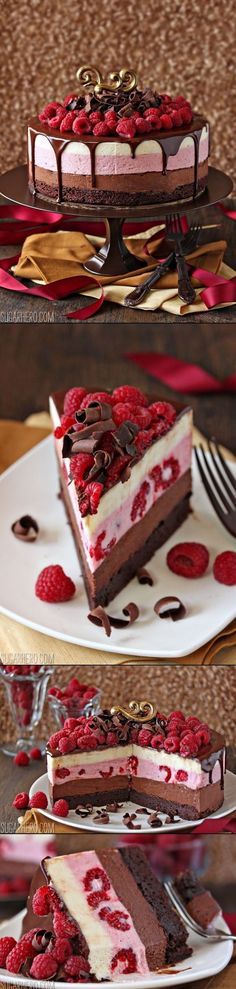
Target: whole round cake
111	143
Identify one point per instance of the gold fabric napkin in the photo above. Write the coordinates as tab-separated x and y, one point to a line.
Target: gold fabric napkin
19	641
52	256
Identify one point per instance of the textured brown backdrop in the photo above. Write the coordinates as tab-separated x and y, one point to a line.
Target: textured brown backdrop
208	693
180	46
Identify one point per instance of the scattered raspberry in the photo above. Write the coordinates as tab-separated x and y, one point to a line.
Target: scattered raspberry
44	967
171	743
167	771
123	412
126	128
53	585
41	902
66	423
203	736
125	961
224	568
61	808
140	501
127	393
157	741
77	967
50	110
62	950
188	559
21	759
144	736
96	879
188	745
81	125
6	945
39	800
68	120
89	500
96	396
35	754
80	466
18	956
164	410
21	801
115	918
63	926
101	129
73	399
181	776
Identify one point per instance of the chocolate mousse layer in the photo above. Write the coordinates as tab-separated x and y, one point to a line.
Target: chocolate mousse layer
145	920
176	799
175	190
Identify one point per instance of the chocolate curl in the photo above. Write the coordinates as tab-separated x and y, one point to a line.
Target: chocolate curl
144	577
99	617
25	528
94	412
102	461
170	607
123	437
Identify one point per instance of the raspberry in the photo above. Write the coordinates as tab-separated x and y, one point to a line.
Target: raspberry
71	723
111	121
167	771
80	466
144	736
111	738
81	125
164	409
73	399
115	918
18	956
140	501
115	470
96	117
61	950
41	902
68	99
177	118
21	801
62	773
39	800
101	129
152	113
193	723
54	899
87	742
35	754
54	739
186	115
170	472
66	423
68	120
77	967
176	716
130	394
53	585
224	568
143	126
89	501
159	428
61	808
63	926
143	440
157	741
65	745
126	128
96	880
165	121
188	559
123	412
181	776
188	745
6	945
125	960
203	736
55	122
171	743
156	476
89	693
44	966
50	110
96	396
21	759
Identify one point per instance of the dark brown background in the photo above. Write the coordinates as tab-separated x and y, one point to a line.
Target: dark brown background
176	45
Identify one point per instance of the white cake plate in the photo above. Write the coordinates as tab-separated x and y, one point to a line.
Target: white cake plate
31	486
116	825
207	959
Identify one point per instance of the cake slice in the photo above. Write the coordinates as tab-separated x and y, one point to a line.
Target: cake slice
171	764
199	902
125	474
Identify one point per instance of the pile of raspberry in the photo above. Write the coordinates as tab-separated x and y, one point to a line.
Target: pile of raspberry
48	955
74	695
128	404
22	691
167	114
175	733
81	733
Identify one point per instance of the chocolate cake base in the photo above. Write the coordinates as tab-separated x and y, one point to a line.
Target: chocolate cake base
108	197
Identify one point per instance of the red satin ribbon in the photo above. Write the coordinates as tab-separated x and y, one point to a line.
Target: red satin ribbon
181	376
217	290
215	825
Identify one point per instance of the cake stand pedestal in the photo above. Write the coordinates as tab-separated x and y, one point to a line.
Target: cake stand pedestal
113	258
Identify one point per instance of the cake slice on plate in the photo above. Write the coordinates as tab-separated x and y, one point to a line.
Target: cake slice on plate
125	474
199	902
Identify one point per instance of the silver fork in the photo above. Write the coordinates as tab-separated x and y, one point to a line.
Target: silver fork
174	232
189	244
219	483
216	935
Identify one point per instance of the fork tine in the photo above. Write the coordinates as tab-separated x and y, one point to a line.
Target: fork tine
217	487
208	488
221	475
225	466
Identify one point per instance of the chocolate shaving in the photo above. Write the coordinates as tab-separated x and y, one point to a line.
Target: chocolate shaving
170	607
154	819
113	808
102	461
124	435
99	617
129	823
102	818
25	528
95	412
144	577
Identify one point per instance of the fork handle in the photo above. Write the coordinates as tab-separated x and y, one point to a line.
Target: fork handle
185	289
140	291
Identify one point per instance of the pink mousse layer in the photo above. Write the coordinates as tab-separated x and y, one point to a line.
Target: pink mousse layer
141	768
115	939
120	164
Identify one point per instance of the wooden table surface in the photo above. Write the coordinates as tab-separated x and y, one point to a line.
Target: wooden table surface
18	308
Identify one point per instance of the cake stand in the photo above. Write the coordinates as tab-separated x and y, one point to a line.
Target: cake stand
113	258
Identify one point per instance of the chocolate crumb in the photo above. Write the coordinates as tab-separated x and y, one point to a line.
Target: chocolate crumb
25	528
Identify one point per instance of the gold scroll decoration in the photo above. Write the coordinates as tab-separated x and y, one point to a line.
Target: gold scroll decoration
137	711
90	77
